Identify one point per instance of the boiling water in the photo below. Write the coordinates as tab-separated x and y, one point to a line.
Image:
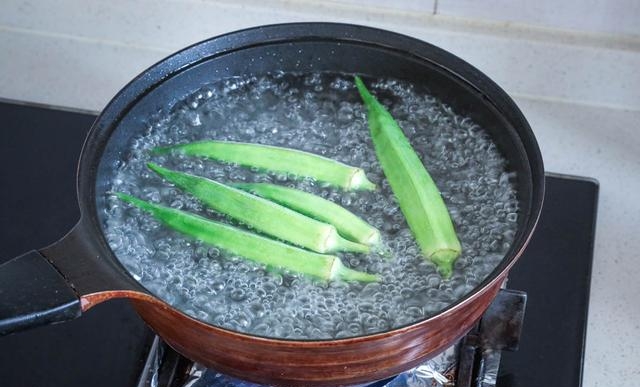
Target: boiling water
322	114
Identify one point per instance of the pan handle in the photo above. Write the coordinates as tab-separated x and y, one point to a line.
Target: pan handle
61	281
34	293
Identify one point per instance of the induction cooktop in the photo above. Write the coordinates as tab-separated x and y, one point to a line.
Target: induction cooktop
109	345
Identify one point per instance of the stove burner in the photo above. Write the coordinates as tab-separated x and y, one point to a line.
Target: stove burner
473	361
498	330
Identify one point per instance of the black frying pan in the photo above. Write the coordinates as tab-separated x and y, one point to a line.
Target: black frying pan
61	281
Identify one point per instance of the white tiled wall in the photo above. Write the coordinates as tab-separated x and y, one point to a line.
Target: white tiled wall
620	17
399	5
595	72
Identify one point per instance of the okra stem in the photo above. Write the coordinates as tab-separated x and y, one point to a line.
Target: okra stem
251	246
266	216
417	194
277	159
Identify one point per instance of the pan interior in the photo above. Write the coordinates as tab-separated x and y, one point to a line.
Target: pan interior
191	106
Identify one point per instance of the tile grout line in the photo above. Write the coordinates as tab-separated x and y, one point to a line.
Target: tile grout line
427	19
84	39
576	102
423	20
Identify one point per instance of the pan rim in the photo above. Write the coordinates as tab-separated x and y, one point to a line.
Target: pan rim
188	57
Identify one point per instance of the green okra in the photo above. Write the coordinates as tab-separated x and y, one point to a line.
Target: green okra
347	223
262	214
251	246
277	159
416	192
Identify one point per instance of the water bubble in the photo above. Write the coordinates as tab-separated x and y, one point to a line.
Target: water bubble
296	111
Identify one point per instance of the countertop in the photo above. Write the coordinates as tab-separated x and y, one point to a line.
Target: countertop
579	91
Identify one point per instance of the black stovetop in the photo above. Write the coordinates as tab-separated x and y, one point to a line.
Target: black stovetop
107	346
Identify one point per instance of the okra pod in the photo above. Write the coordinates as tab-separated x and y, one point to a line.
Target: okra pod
277	159
262	214
347	223
417	194
251	246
